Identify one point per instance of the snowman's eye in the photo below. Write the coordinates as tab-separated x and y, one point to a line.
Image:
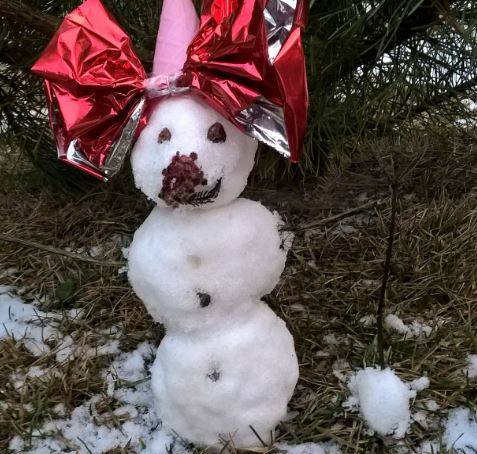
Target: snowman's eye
164	136
216	133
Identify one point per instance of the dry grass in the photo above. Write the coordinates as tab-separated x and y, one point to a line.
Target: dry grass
331	281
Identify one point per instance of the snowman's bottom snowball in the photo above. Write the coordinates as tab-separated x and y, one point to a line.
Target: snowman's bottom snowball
216	384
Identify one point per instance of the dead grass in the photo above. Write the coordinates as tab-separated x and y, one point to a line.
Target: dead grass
331	282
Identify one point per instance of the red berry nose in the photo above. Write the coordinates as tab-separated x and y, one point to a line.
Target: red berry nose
180	179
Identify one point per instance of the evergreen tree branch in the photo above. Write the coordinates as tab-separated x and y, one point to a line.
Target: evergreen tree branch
17	12
439	99
372	47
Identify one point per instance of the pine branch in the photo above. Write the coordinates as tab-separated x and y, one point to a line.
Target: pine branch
372	47
439	99
15	11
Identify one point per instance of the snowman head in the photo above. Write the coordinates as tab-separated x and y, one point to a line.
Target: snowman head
190	156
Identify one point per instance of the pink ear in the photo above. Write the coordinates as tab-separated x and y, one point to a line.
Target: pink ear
179	24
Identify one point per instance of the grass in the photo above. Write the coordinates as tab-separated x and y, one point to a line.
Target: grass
331	282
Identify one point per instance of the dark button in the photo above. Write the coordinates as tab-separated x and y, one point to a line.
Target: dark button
204	299
214	375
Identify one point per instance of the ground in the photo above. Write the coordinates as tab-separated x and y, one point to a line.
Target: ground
328	294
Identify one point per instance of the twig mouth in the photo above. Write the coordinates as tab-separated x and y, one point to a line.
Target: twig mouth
204	197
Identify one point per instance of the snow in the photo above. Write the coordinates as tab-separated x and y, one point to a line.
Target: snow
310	448
431	405
472	366
420	384
368	321
415	329
383	400
188	119
24	323
461	431
429	447
129	424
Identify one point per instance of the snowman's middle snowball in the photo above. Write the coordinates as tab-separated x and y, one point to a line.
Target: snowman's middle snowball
198	268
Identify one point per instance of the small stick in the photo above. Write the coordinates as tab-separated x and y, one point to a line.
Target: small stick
386	274
57	251
258	436
343	215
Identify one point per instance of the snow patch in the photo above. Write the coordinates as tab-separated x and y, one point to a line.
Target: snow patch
420	384
461	431
415	329
368	320
472	366
24	323
129	421
310	448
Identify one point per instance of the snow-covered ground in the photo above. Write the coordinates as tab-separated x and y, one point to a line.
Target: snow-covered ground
383	400
129	420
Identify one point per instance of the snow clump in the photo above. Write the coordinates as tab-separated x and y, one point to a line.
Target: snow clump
382	399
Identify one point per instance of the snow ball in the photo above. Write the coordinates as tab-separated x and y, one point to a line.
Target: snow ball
251	363
461	431
382	399
230	255
188	120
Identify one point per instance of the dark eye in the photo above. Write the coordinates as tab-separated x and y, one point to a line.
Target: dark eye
216	133
164	136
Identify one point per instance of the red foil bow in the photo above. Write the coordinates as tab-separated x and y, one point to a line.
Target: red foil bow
247	62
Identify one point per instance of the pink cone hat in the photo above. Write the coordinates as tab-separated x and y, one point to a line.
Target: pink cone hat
178	26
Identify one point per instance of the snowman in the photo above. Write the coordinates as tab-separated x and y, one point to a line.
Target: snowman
204	258
201	262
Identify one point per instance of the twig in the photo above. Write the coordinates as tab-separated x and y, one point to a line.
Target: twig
386	274
258	436
54	250
340	216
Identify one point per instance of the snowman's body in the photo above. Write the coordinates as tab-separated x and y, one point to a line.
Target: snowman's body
227	363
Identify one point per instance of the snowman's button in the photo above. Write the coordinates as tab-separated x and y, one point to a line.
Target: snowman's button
214	375
204	299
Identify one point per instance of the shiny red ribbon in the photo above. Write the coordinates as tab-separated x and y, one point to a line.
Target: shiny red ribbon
94	81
